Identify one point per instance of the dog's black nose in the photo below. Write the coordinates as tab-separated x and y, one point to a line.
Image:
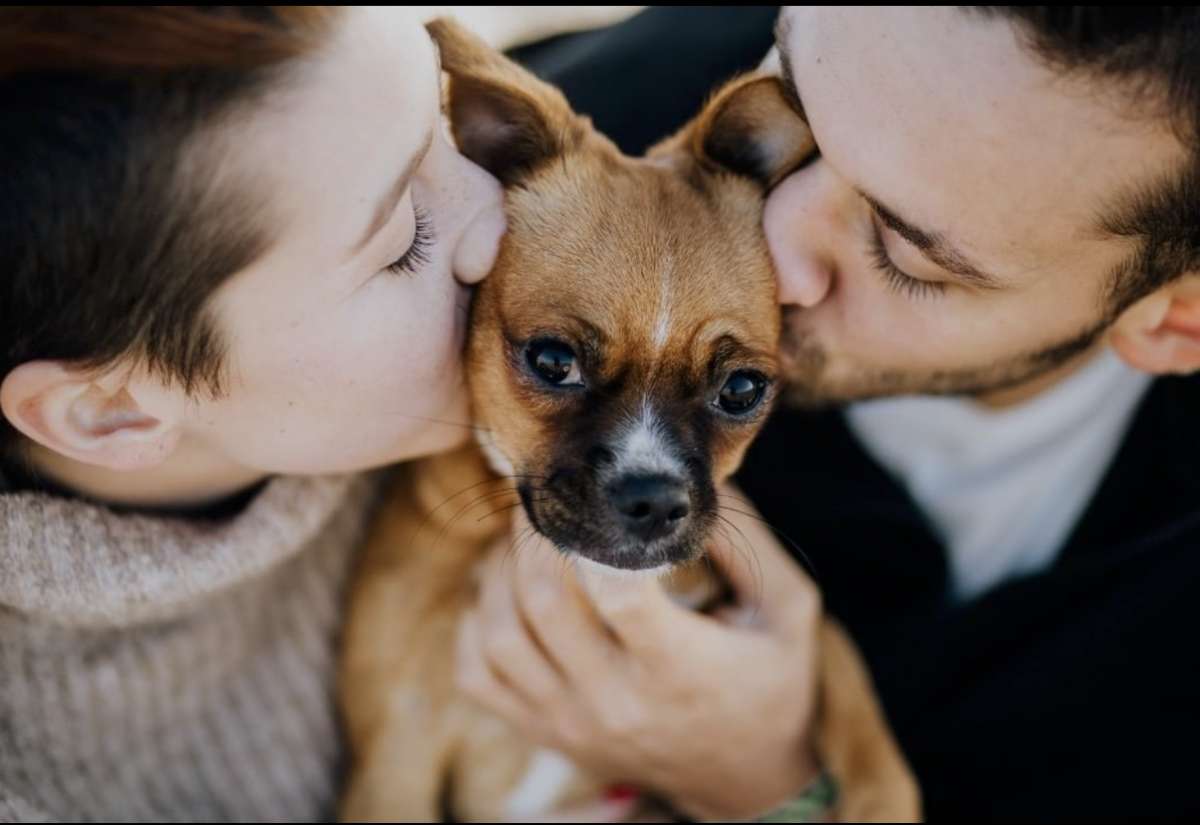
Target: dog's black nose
650	507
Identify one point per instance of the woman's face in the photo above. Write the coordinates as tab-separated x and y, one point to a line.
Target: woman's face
344	339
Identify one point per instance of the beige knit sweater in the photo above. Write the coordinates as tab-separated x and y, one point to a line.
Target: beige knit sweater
171	669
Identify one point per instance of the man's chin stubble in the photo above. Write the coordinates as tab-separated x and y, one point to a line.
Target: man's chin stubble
808	386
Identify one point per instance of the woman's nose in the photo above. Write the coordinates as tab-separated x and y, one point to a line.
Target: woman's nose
480	241
468	206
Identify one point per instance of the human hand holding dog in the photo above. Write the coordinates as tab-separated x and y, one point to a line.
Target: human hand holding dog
713	714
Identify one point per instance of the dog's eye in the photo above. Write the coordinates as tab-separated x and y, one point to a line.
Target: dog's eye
742	392
555	363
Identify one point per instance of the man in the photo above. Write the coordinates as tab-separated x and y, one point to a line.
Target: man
1000	225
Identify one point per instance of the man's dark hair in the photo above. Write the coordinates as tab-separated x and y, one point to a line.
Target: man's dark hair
1152	55
112	237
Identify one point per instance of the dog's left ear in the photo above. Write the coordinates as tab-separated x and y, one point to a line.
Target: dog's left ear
751	127
503	117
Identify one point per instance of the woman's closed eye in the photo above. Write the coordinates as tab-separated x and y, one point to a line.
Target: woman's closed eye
417	254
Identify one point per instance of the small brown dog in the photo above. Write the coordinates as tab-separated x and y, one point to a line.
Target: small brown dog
621	358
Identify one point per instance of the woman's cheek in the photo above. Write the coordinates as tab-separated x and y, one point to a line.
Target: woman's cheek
422	361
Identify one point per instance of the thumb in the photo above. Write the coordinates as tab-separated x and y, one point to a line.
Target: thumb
631	604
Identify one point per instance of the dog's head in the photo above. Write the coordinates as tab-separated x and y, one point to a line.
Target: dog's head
622	353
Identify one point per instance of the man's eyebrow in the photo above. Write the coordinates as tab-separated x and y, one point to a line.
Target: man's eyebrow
387	204
934	247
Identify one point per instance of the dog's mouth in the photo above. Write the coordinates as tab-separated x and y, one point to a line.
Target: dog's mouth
637	523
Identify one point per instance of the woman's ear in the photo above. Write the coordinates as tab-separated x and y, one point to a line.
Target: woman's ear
94	419
1161	332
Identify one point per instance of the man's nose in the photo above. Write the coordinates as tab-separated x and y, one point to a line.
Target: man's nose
801	229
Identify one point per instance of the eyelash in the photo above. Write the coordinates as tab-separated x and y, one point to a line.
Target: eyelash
417	255
898	280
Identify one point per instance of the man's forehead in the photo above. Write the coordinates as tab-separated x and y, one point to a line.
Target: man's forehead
974	139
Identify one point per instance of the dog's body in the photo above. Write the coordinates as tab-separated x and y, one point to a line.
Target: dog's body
621	357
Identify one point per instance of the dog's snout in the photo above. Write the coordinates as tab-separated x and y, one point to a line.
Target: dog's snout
650	507
599	456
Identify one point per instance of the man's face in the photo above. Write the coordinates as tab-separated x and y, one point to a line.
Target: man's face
946	239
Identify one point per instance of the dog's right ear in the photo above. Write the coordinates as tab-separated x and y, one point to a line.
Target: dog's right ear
503	118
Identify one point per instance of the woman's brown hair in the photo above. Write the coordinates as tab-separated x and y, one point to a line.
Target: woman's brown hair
112	237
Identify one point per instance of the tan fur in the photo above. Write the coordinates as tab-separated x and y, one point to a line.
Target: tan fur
660	262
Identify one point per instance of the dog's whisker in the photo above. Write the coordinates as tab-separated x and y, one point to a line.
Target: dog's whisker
565	569
485	497
443	421
481	499
810	566
723	531
498	511
506	508
494	480
740	499
748	556
518	543
498	481
746	551
510	550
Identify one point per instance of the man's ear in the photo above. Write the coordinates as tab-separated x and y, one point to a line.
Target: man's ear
751	127
1161	332
93	419
502	117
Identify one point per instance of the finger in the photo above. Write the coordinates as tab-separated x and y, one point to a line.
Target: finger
476	679
738	615
630	608
556	610
510	646
633	605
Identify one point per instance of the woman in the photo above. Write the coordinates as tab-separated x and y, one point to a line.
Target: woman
236	254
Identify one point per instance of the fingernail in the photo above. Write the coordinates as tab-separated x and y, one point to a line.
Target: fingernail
620	793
